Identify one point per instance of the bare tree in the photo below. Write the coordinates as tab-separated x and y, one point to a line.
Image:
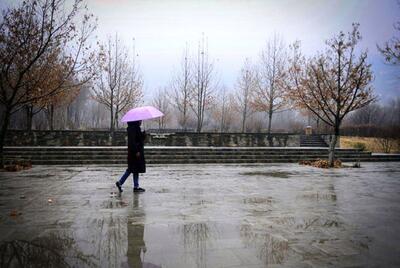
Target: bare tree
62	99
368	115
55	77
334	83
33	36
203	78
160	101
256	124
394	105
182	85
389	126
118	84
391	49
30	111
79	109
270	91
223	110
245	86
129	90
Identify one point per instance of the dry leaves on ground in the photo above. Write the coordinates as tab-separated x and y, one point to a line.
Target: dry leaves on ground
321	163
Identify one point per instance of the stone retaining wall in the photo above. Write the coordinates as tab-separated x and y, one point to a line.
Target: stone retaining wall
103	138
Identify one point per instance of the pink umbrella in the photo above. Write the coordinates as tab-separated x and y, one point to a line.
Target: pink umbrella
141	113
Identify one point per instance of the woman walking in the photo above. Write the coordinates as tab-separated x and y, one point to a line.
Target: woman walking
136	160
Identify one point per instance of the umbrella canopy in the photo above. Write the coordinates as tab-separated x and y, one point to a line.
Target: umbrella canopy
141	113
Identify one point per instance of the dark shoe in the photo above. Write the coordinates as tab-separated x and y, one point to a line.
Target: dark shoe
138	190
119	186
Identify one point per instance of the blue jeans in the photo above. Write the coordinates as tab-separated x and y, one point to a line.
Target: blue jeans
126	175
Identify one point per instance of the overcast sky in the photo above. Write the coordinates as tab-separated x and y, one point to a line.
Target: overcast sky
238	29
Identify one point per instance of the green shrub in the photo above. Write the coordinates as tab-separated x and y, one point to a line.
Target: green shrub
359	145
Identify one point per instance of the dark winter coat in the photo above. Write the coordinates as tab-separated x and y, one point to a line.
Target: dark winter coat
136	144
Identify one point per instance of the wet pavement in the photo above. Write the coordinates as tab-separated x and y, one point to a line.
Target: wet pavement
270	215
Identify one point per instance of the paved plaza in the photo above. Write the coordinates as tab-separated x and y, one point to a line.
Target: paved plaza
269	215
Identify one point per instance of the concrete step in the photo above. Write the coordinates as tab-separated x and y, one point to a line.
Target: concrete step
182	155
176	150
198	161
152	148
312	141
171	153
312	145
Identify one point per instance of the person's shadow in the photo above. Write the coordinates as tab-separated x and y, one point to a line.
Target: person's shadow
136	244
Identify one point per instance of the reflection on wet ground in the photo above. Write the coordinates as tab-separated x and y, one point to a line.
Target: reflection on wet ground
202	216
274	174
52	250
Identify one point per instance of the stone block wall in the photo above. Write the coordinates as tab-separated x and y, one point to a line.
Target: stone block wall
104	138
225	139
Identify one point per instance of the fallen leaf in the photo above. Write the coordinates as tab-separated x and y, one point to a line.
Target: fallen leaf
15	213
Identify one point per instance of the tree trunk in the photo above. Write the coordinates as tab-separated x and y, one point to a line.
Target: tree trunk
184	118
70	121
269	122
222	125
112	120
51	117
244	121
198	127
76	119
116	123
3	132
332	147
199	123
29	117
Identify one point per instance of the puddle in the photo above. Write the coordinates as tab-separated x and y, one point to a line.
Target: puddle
307	223
274	174
163	191
331	223
49	251
193	233
270	248
319	196
200	203
258	200
259	212
109	204
239	223
39	176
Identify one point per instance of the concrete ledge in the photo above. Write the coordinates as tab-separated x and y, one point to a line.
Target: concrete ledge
175	147
119	138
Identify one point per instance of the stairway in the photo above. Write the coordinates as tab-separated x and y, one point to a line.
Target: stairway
312	141
184	155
